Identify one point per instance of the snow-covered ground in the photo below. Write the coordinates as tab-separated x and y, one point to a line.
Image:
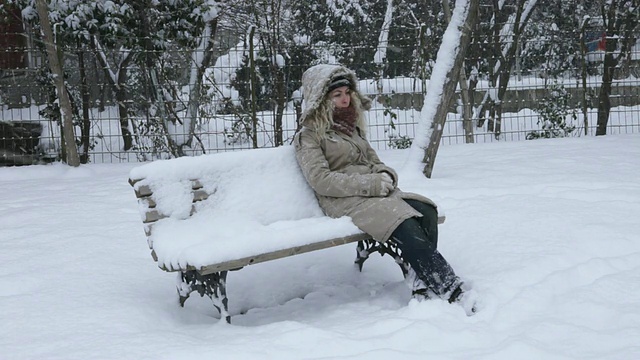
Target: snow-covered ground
546	231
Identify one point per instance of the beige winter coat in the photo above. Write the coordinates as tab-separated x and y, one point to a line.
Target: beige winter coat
344	171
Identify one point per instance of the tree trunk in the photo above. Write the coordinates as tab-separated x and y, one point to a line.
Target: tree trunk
280	104
610	62
269	16
523	14
119	88
620	26
604	101
502	91
86	122
123	109
500	69
253	83
195	82
55	65
100	84
583	74
380	56
465	97
468	12
467	108
471	85
156	91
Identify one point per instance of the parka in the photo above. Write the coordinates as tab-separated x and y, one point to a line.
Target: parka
345	171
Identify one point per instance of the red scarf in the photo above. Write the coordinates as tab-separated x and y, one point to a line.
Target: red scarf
344	120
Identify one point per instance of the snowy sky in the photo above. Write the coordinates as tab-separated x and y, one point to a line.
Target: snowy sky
545	231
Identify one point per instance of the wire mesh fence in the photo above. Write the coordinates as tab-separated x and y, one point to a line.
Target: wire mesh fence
135	103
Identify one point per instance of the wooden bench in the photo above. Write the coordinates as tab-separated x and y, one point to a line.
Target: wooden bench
207	215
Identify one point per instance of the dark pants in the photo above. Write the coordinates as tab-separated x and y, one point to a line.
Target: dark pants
417	238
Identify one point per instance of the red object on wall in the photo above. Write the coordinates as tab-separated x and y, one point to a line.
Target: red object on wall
602	44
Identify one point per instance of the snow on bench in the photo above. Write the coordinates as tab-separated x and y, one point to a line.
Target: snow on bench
206	215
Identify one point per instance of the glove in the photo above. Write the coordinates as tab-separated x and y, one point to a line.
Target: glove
387	184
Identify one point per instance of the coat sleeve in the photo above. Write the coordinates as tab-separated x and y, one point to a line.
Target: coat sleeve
325	182
379	166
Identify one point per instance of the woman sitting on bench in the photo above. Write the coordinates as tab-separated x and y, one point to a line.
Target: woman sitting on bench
350	180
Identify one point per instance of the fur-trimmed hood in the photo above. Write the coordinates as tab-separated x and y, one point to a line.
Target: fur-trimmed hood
315	83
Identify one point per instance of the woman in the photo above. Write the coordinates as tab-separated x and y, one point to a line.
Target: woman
349	179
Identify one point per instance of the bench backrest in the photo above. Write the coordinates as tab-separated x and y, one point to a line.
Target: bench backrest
261	185
224	211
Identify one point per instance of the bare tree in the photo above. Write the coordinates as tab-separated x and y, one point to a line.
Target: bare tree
201	59
117	78
505	38
620	19
380	56
445	76
253	83
55	64
466	96
271	19
86	103
583	73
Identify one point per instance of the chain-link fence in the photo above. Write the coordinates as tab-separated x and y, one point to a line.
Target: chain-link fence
143	101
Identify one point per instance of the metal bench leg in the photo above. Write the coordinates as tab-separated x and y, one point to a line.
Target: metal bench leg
362	253
418	288
184	287
219	295
212	285
366	247
391	248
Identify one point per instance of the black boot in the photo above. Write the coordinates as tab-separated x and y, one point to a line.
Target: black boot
466	298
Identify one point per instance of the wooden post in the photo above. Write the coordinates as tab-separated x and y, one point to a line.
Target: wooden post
55	65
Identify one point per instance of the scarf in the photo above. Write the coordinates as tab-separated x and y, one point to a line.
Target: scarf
344	120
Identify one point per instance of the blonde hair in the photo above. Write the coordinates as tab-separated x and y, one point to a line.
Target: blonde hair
322	118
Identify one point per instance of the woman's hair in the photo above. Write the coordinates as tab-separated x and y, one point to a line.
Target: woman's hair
323	117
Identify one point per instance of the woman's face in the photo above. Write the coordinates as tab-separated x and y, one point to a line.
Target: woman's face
341	96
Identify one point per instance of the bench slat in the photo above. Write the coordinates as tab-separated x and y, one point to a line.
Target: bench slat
153	215
145	190
239	263
198	195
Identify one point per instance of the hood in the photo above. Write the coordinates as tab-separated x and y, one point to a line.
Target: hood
315	82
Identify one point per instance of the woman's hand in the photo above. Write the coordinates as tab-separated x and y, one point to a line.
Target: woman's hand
387	184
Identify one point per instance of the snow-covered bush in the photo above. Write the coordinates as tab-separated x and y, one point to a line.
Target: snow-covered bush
553	110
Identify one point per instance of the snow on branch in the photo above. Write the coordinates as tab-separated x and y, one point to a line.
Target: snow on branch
383	40
442	84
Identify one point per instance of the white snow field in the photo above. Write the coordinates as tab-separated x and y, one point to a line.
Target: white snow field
546	231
